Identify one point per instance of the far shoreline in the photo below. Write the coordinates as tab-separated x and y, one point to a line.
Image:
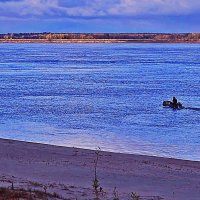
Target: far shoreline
99	41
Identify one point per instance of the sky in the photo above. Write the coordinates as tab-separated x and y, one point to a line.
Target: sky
97	16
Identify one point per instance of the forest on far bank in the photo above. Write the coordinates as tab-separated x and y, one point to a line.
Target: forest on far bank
104	36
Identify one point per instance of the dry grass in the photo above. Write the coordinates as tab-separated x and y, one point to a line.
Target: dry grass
21	194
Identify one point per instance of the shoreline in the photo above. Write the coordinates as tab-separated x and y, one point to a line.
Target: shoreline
135	152
100	41
28	164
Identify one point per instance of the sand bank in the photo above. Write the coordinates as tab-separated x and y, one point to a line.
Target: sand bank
69	172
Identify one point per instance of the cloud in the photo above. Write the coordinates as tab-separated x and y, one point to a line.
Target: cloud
27	8
154	7
95	8
100	15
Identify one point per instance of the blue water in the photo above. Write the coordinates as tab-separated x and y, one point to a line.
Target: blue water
107	95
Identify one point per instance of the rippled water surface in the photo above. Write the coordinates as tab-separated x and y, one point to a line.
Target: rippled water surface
107	95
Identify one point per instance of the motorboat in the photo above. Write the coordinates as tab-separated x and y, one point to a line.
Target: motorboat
170	104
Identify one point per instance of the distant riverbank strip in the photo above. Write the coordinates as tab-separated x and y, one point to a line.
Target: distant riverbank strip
94	41
99	38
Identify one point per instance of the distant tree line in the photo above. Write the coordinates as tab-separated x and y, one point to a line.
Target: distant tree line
129	36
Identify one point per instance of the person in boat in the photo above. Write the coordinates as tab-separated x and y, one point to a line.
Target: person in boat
174	102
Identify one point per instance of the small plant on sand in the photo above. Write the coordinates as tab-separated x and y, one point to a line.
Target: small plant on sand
115	194
95	181
45	191
12	185
134	196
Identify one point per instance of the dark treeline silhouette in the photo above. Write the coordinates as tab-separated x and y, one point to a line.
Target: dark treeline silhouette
104	36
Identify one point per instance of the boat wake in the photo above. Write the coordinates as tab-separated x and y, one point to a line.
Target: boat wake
190	108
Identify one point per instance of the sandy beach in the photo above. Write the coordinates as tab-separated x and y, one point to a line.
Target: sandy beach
69	172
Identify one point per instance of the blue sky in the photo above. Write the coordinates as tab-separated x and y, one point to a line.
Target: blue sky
99	16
